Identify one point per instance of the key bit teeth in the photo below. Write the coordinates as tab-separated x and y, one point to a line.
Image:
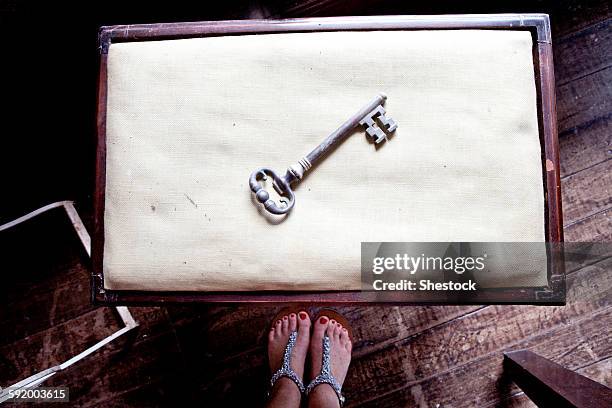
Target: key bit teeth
391	125
376	134
388	123
381	139
376	124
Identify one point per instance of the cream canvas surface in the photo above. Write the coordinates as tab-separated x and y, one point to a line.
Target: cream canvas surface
189	120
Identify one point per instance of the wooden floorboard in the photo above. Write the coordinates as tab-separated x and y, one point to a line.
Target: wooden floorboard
55	345
587	193
597	227
600	371
583	64
586	145
46	277
468	338
584	101
481	382
570	16
403	356
583	53
103	377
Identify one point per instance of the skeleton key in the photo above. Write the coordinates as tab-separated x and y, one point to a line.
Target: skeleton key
368	116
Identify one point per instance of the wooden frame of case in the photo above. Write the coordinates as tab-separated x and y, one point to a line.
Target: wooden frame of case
539	27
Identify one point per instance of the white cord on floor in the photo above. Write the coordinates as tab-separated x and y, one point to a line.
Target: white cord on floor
34	214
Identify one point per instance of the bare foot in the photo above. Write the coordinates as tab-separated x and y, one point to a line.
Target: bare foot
277	342
340	358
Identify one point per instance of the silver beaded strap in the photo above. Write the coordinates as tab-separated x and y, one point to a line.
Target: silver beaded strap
326	376
286	370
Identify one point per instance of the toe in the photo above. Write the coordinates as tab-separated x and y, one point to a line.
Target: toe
349	345
303	321
285	325
320	327
292	322
303	328
330	329
343	336
277	327
346	340
304	317
337	331
271	334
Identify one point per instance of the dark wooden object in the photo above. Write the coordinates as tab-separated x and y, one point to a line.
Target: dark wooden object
537	24
550	385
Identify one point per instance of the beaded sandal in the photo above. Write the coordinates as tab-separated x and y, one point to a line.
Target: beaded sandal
286	370
326	377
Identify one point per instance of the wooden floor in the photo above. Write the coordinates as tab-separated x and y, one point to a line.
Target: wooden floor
437	356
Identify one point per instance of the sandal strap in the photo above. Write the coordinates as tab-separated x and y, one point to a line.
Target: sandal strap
326	377
286	370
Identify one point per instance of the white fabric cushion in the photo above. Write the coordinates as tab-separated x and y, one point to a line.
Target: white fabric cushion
189	120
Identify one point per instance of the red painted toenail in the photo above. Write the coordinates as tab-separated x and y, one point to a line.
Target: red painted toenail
303	316
285	317
323	320
292	314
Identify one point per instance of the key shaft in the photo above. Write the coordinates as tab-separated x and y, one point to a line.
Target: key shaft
344	130
296	171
